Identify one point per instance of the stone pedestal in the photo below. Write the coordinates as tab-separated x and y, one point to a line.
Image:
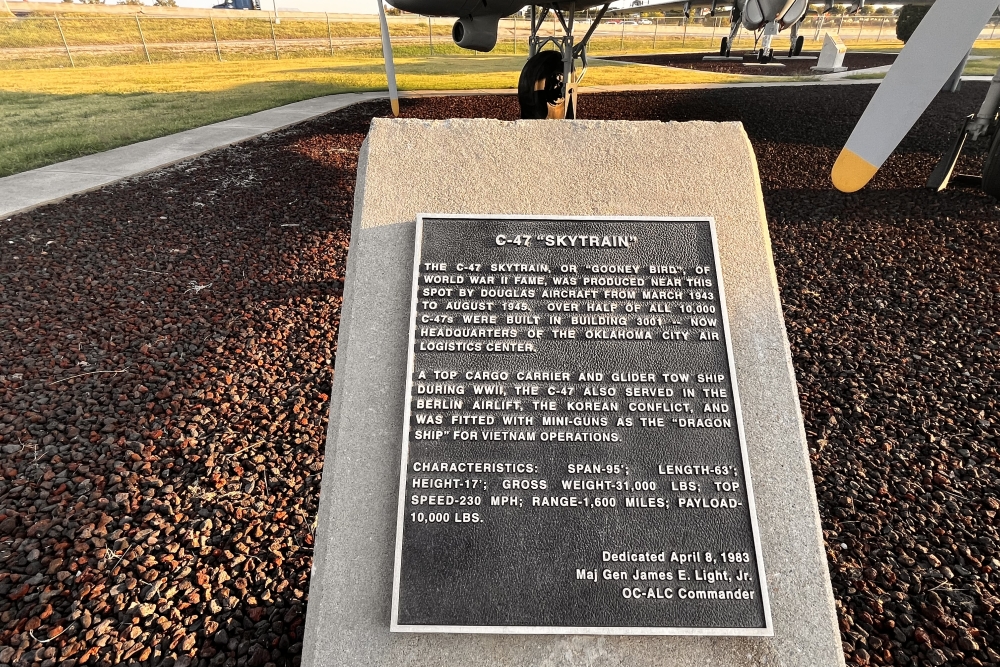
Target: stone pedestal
590	168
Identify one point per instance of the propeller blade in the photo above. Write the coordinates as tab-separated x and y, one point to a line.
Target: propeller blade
929	58
390	69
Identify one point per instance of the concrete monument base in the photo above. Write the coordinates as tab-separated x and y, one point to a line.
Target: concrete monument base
589	168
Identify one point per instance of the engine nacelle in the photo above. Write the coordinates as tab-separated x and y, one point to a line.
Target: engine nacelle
756	13
477	33
795	12
753	15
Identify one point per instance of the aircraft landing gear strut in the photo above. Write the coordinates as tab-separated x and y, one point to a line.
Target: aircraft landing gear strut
796	40
765	53
726	48
547	87
983	124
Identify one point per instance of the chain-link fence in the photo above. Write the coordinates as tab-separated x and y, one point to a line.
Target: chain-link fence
54	40
654	34
73	40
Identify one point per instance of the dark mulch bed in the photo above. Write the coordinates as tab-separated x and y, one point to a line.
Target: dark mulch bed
166	353
852	61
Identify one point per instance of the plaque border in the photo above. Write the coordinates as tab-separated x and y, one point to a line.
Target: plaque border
395	626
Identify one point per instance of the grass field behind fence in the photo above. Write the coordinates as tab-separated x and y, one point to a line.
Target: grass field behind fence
97	30
93	40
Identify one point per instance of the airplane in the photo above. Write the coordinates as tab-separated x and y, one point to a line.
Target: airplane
932	60
547	84
238	4
754	15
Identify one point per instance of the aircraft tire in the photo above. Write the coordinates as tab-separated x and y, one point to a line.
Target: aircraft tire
535	103
763	57
799	42
724	47
991	168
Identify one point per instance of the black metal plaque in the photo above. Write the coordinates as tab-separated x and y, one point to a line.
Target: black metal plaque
573	454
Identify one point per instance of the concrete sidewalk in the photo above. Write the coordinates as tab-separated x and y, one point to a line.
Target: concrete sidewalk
44	185
58	181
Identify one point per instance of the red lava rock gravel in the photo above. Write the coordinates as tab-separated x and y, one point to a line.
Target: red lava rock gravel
797	67
166	351
166	354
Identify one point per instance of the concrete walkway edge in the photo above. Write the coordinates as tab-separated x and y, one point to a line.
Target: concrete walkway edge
24	191
29	189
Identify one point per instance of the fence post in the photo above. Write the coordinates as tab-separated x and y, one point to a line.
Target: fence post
65	43
273	40
656	25
621	47
143	38
329	33
880	26
218	50
819	26
841	24
861	28
684	36
715	24
430	35
994	29
515	34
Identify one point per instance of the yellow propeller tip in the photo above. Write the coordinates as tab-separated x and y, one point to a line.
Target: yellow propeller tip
395	107
851	172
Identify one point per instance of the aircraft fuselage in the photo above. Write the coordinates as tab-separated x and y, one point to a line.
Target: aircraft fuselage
460	8
754	13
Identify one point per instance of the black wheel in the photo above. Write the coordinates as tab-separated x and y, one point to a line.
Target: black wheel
724	47
540	87
991	168
764	57
799	41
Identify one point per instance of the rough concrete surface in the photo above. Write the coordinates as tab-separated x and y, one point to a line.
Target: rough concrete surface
571	168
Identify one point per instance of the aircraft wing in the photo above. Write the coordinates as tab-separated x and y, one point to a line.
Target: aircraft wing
929	58
660	5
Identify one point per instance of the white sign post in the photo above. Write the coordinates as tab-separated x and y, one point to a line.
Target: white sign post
831	57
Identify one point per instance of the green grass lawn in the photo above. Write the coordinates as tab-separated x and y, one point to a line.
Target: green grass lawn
50	115
987	67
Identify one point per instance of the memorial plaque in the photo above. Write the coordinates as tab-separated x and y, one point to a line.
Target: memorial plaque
573	453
